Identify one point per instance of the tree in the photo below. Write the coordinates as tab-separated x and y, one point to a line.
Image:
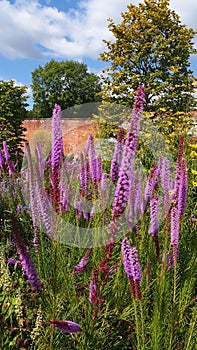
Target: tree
12	114
67	83
150	47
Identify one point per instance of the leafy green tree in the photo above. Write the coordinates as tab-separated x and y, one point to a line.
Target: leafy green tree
67	83
152	47
12	114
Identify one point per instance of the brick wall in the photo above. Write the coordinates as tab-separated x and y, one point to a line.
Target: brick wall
75	132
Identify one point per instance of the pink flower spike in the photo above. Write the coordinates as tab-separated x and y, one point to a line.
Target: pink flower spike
65	326
93	286
83	262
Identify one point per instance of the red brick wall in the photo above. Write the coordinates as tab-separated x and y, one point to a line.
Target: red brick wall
75	132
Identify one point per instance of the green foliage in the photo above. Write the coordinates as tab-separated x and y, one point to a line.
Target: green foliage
12	114
152	47
67	83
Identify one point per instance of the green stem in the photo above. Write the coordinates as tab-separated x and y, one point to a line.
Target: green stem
191	328
137	326
142	323
54	291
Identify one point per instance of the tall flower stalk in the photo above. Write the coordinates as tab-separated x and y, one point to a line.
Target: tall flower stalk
132	267
24	256
126	174
57	154
154	221
116	159
133	271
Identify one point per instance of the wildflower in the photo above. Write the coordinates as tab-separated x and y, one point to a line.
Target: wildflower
193	145
25	258
83	262
2	160
44	206
152	183
171	192
182	189
93	286
103	189
57	154
121	195
154	222
175	228
98	168
154	208
174	225
165	181
181	181
194	183
6	152
132	267
193	154
116	159
126	176
194	172
33	193
7	158
170	260
84	176
90	146
192	221
65	326
92	156
138	203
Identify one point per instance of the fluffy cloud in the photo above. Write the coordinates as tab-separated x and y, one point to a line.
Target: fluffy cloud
31	30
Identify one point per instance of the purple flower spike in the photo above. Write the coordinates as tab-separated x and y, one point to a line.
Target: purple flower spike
25	259
170	260
84	176
57	154
183	186
65	326
126	173
130	261
139	100
103	185
83	262
138	201
165	182
154	222
93	286
99	168
116	160
132	268
121	195
2	160
6	152
152	183
175	218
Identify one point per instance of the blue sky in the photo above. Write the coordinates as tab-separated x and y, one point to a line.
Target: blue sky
32	32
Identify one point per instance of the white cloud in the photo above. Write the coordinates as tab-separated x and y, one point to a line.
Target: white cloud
31	30
26	26
28	91
187	10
